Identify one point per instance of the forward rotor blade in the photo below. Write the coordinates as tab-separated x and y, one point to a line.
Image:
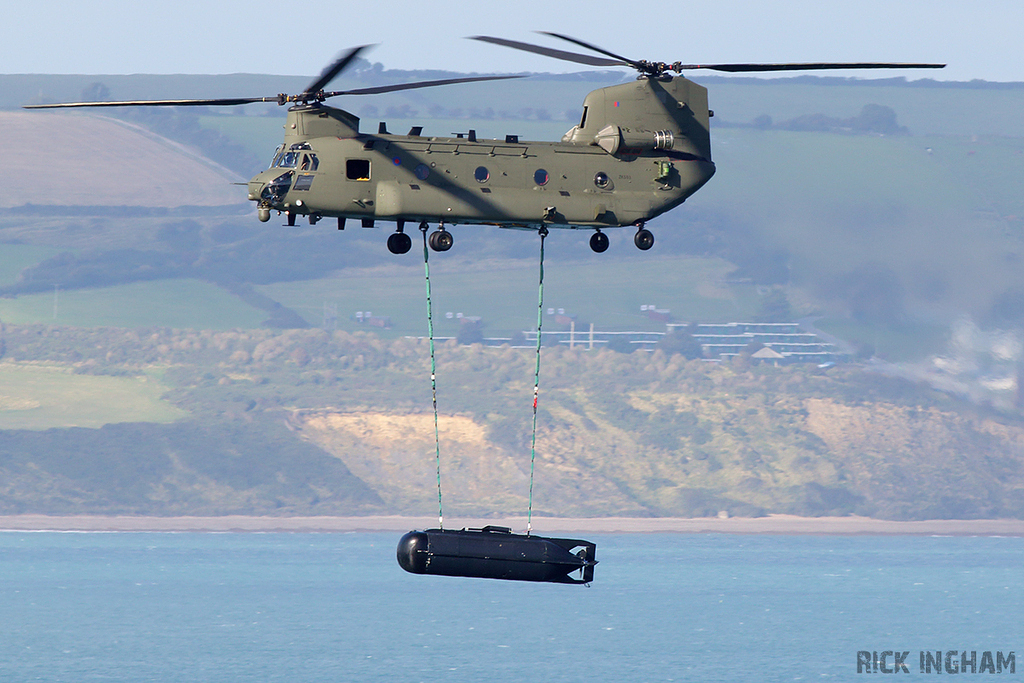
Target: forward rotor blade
550	52
808	66
333	70
157	103
574	41
410	86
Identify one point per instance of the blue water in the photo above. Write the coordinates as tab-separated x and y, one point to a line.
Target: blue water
336	607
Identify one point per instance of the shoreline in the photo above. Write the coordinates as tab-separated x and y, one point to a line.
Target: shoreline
772	524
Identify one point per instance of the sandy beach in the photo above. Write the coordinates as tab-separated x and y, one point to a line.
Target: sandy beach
772	524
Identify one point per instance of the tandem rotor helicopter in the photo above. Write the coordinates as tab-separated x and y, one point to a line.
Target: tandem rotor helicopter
639	150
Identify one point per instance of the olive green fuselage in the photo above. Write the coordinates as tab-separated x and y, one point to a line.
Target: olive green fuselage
641	149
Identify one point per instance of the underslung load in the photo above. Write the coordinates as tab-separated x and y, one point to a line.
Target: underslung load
496	553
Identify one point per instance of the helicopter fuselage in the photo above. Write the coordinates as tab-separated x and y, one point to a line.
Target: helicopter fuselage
641	148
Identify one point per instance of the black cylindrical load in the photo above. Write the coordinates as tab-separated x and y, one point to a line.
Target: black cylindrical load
496	553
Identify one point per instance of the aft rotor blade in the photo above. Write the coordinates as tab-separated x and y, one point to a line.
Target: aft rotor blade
222	102
333	70
550	52
808	66
623	61
410	86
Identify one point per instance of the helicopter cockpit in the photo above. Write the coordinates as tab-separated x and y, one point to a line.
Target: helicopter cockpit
298	155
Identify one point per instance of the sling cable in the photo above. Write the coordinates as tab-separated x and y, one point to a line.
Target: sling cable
494	552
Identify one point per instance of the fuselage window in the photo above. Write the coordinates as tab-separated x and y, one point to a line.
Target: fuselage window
309	162
540	177
481	174
357	169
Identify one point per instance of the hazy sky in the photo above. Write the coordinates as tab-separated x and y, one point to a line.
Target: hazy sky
981	39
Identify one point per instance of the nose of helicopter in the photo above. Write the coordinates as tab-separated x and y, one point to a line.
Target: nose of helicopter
256	185
270	187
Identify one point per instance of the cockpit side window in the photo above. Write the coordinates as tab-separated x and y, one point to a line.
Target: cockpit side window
309	162
277	156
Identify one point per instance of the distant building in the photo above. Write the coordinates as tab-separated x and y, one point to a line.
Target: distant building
724	340
367	318
767	354
661	315
563	319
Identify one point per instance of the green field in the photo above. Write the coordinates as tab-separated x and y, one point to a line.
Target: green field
39	396
504	294
943	214
166	303
942	110
16	257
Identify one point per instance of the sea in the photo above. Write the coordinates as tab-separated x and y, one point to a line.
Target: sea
195	607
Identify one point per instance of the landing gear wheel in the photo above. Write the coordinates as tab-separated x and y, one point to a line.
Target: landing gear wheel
644	239
441	240
399	243
599	242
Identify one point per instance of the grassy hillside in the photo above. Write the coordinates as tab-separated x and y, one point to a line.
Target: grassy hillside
932	212
14	258
173	303
889	231
178	469
163	288
925	107
84	159
637	434
51	396
886	230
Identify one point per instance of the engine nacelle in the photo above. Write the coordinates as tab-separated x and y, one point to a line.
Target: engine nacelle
617	140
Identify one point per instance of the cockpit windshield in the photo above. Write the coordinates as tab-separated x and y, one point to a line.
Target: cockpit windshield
290	158
287	159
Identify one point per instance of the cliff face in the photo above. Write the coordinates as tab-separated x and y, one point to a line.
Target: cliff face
655	435
878	459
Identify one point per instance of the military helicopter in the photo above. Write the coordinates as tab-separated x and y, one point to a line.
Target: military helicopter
640	149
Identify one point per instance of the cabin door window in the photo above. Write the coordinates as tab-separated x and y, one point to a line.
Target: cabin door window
357	169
